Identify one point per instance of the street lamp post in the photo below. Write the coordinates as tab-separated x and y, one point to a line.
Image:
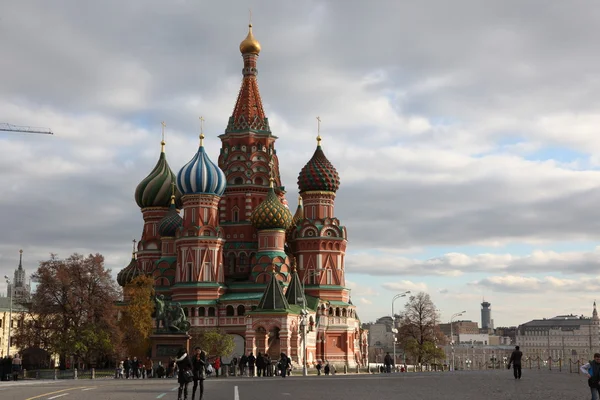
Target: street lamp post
12	289
394	329
458	314
303	316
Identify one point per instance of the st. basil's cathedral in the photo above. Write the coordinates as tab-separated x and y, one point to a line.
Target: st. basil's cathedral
236	258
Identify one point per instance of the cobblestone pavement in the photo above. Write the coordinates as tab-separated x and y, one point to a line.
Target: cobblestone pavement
458	385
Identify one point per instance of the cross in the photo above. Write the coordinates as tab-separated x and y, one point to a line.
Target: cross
201	131
250	19
173	189
163	130
134	242
319	131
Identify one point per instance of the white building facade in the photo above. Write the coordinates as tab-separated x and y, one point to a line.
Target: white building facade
562	337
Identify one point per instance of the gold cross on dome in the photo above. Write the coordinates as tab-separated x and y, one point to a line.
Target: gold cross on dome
319	131
134	242
201	131
163	130
250	17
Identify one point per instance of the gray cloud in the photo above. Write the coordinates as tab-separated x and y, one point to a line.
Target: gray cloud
418	102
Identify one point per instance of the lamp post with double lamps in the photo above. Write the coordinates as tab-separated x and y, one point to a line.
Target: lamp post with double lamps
458	314
394	329
12	289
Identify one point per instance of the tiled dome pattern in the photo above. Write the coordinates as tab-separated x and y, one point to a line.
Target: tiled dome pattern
318	174
271	214
129	273
171	222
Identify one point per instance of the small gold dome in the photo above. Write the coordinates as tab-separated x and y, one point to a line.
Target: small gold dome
250	44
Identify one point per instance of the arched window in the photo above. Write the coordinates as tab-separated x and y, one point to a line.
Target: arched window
229	311
337	312
238	181
201	312
235	215
241	310
211	311
243	260
231	263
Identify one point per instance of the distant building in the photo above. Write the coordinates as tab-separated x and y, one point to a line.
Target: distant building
507	333
381	339
17	320
564	336
474	338
459	328
487	324
19	288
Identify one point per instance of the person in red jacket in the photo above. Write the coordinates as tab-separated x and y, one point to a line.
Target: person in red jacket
217	366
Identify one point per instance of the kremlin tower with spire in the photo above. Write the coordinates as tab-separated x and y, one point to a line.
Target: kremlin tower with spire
220	240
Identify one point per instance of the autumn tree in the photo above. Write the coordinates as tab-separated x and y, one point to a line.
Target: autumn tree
136	316
419	332
72	311
213	341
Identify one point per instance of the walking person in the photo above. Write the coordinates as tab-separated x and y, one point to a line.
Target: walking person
515	360
199	368
251	363
283	365
184	364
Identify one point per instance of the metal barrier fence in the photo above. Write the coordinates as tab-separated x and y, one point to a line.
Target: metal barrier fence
68	374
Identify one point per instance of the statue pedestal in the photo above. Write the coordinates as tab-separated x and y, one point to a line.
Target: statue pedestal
166	345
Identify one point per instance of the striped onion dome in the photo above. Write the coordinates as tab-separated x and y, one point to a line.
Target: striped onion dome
171	222
155	189
201	175
318	174
129	273
271	214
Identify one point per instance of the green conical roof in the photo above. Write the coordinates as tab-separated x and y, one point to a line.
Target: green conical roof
294	293
273	298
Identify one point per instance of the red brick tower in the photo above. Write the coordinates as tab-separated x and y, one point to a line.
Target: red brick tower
248	158
153	196
318	240
199	242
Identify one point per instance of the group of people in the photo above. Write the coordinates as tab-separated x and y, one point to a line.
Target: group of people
10	368
262	365
131	369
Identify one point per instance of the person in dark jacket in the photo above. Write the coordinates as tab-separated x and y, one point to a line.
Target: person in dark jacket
260	364
183	364
199	368
251	361
515	360
283	365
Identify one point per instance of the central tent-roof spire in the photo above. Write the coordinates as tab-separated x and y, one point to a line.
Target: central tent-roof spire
248	113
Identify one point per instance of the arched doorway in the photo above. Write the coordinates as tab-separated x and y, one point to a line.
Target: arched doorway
238	349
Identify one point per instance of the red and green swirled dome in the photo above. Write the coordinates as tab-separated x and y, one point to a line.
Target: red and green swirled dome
318	174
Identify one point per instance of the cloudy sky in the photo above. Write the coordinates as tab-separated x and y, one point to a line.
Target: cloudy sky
465	133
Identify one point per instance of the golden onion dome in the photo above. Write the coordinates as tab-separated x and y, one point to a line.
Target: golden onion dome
250	44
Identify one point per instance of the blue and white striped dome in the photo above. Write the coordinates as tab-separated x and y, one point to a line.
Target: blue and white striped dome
201	175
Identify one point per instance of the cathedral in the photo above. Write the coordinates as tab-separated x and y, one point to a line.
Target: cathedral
220	240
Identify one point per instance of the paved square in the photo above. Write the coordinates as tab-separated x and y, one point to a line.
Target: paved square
459	385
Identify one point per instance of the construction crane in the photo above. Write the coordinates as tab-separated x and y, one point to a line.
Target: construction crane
25	129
